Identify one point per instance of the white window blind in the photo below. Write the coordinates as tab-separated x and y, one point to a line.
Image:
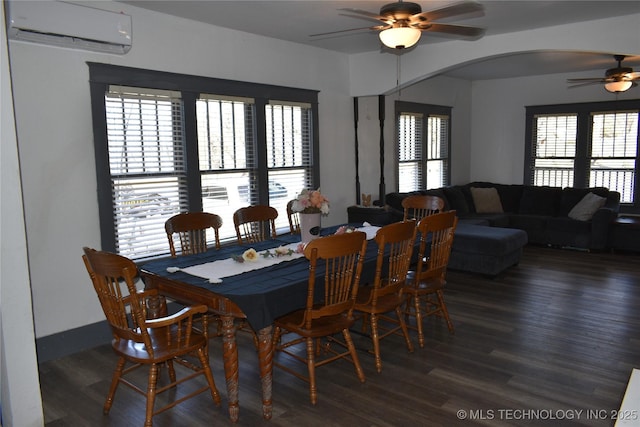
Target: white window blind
410	152
554	150
289	154
423	148
146	165
437	151
193	143
614	144
226	155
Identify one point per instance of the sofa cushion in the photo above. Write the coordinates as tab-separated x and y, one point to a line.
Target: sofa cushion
510	196
567	226
395	200
492	219
586	207
479	239
486	200
456	200
540	200
571	196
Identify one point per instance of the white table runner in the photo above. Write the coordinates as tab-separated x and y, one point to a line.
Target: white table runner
215	271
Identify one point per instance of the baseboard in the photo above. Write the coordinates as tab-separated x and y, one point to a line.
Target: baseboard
74	340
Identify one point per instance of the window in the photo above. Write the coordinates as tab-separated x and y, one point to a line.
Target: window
146	164
193	143
585	145
423	146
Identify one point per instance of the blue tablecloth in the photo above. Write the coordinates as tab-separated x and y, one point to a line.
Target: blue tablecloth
263	294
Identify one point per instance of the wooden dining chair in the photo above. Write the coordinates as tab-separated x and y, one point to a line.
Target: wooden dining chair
142	338
418	206
293	217
255	223
191	228
335	266
425	285
382	302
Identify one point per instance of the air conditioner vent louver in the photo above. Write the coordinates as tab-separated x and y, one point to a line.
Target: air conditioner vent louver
69	25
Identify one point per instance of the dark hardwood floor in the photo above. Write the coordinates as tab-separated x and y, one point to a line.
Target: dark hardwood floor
551	341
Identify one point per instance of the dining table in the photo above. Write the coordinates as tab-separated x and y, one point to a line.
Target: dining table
257	290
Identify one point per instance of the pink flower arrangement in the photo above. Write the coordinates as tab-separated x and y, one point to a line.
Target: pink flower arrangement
311	201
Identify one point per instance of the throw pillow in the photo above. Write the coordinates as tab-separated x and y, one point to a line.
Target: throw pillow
486	200
456	200
586	207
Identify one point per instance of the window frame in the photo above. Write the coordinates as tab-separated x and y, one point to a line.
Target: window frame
426	110
102	76
581	170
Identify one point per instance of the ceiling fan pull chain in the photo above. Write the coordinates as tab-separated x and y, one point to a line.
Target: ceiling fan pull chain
399	75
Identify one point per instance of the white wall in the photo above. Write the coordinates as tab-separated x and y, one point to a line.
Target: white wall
19	383
445	91
498	119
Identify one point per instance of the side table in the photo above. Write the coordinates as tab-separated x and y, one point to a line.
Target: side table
374	215
625	235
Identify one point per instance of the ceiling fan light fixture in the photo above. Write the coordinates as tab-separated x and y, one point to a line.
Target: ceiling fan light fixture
618	86
400	37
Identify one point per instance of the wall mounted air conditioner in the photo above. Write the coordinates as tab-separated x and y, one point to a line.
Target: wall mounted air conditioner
69	25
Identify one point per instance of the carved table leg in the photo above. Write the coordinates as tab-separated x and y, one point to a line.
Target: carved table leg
265	357
230	356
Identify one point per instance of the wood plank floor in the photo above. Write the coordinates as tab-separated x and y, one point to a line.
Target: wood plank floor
551	341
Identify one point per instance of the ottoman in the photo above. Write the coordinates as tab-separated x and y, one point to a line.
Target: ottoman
486	250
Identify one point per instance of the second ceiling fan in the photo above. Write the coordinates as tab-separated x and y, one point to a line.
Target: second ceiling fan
615	80
403	22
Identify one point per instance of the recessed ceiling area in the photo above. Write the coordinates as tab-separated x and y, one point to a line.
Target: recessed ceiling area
295	21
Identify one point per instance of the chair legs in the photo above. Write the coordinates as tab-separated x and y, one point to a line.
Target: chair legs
433	306
152	389
376	336
443	311
114	385
373	318
151	394
354	355
315	348
203	356
311	367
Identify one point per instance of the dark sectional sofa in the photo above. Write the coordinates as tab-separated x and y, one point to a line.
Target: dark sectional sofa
543	212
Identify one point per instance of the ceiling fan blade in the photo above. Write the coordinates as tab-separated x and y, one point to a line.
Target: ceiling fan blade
587	79
366	18
364	13
633	76
378	27
458	30
446	12
584	84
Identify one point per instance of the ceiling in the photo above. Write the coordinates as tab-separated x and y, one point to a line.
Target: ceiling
296	20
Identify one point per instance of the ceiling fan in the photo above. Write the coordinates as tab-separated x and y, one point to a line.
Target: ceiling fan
403	22
618	79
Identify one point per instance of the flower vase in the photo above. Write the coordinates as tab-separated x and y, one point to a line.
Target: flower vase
309	226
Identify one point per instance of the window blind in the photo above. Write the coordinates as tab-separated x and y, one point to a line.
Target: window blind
554	150
193	143
614	145
146	164
410	152
423	133
290	159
